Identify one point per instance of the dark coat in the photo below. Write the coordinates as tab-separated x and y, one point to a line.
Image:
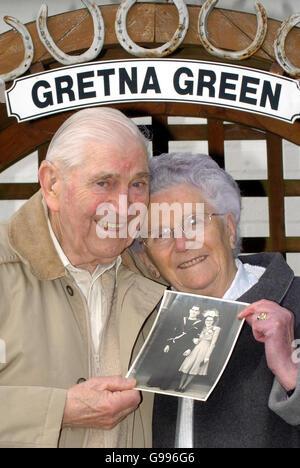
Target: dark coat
237	413
166	375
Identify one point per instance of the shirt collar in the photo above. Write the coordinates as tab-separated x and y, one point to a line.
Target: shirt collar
246	277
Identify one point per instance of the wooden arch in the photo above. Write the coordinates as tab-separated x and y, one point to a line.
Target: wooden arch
150	25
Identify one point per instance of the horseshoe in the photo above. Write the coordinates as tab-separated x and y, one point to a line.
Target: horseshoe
166	49
28	46
279	44
262	26
59	55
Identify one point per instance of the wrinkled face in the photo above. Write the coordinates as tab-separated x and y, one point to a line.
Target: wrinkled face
110	174
208	269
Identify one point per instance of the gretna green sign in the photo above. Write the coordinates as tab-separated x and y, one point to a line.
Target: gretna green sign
164	80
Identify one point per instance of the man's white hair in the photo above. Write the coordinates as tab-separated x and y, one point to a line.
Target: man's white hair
101	125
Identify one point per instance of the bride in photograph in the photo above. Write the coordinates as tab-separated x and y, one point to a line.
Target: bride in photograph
197	360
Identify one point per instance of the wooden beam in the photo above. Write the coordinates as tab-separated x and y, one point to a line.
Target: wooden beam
42	152
264	244
276	193
241	132
19	140
160	136
290	132
18	191
216	141
188	132
292	244
291	188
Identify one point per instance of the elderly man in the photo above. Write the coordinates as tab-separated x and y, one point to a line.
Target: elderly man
70	312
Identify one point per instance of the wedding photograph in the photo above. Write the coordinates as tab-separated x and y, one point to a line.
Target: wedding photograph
189	345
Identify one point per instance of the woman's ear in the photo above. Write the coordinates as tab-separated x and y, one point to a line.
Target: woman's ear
50	183
231	230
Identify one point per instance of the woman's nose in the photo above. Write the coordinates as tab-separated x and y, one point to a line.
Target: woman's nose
180	244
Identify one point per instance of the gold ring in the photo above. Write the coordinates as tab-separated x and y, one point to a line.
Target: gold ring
262	316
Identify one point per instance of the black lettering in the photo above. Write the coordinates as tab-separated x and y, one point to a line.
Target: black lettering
60	90
83	85
48	99
267	93
151	81
189	85
245	89
209	84
130	81
106	77
224	85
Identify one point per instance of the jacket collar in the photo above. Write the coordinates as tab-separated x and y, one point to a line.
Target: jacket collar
274	283
29	237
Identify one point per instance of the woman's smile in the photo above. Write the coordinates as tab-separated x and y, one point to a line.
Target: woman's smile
191	263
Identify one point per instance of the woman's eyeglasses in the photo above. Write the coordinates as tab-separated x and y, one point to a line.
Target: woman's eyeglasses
192	227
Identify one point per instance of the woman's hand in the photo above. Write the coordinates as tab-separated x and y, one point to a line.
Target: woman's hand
187	352
273	325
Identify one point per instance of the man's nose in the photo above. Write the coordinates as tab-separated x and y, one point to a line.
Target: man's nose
121	203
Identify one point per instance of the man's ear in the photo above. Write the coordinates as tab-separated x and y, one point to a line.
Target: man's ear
231	230
50	183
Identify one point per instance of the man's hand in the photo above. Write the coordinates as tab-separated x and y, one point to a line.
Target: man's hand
274	326
100	403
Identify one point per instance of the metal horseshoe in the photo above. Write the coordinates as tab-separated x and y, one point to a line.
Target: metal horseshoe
28	46
59	55
279	44
262	26
166	49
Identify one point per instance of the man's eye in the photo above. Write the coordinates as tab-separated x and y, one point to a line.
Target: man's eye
102	184
139	184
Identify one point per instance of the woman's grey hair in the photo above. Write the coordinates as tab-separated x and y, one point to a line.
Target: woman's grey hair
217	187
102	125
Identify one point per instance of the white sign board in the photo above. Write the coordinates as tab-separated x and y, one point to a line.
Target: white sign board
162	80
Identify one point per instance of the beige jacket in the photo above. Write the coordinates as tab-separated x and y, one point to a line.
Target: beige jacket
44	325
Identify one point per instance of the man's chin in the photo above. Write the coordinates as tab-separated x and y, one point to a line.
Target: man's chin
110	249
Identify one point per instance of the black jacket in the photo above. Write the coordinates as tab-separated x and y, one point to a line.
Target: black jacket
237	413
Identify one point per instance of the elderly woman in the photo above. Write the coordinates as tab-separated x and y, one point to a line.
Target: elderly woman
237	413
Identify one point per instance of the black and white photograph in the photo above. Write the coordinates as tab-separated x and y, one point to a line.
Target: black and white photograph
189	345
